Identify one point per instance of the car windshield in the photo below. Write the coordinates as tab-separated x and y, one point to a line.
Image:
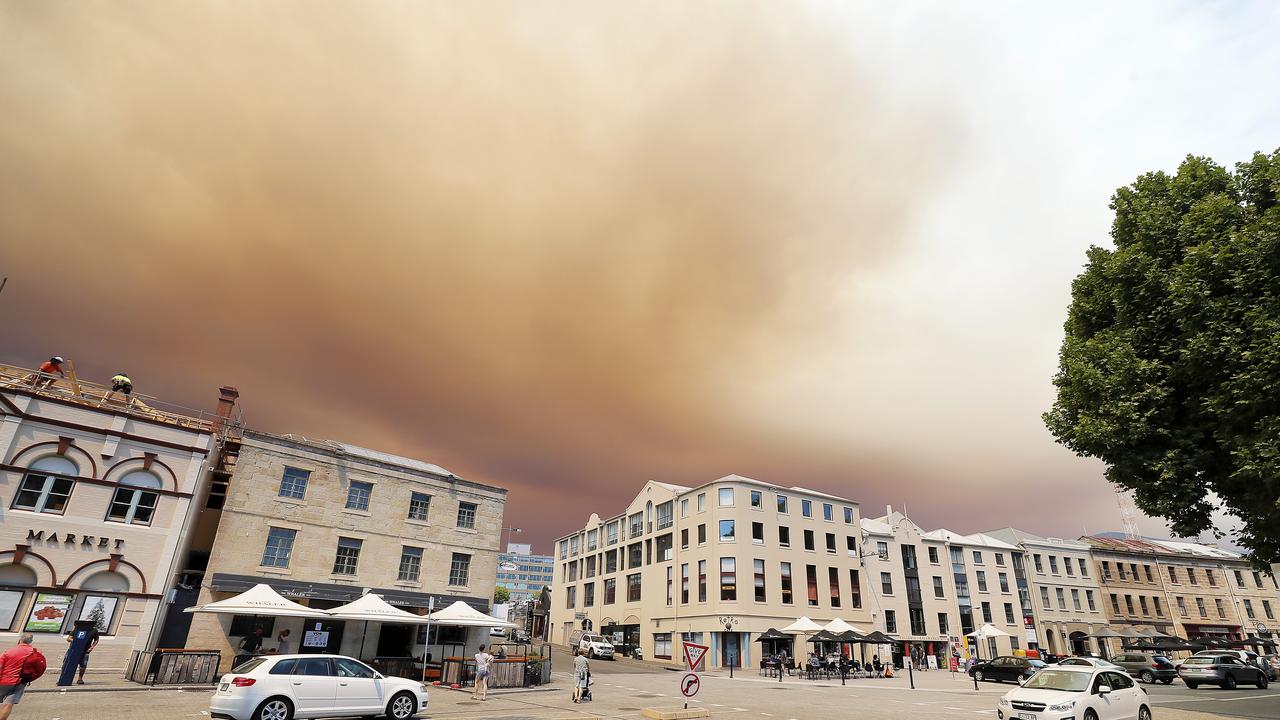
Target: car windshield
593	638
1074	661
248	665
1059	680
1036	663
1198	660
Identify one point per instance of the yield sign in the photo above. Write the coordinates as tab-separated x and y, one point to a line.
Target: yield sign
693	654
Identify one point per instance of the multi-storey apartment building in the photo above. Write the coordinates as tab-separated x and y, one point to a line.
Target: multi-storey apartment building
715	564
1129	579
991	587
524	574
1065	596
913	594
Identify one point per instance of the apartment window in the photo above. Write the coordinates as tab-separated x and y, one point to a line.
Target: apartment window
913	590
1266	609
347	557
848	515
466	515
757	499
726	497
1084	569
1222	611
702	580
833	579
728	578
459	569
1142	603
663	547
982	581
684	583
1066	565
419	506
662	645
831	543
851	546
942	624
702	502
1159	610
564	549
811	576
589	594
635	555
1075	598
571	597
1191	576
890	621
633	588
592	535
702	533
573	544
666	515
916	617
1182	606
669	571
908	557
937	587
977	557
279	547
134	501
757	533
855	589
684	508
986	612
1248	607
1208	575
635	521
784	536
828	512
293	484
782	503
1000	558
1044	598
882	549
611	532
1173	574
1257	579
611	561
610	591
726	531
806	508
1106	569
933	555
1088	596
808	540
358	495
1004	583
886	583
1120	571
410	564
1115	604
1239	578
684	538
1128	604
1150	578
1053	565
1062	599
758	566
785	574
1036	559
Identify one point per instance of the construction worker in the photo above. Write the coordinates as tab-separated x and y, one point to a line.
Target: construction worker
122	384
49	368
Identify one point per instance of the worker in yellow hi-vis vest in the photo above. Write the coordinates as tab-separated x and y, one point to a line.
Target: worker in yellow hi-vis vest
120	384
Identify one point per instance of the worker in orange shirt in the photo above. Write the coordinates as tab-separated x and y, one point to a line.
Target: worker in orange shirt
49	368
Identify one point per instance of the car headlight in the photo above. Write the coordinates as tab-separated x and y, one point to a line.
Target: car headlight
1004	702
1062	707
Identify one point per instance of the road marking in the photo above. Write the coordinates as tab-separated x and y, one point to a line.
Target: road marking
1245	697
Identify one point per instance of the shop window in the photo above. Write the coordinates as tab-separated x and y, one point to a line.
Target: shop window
134	501
42	489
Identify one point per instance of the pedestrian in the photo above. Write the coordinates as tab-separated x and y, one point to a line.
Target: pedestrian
282	642
581	675
120	384
483	661
252	644
19	665
84	659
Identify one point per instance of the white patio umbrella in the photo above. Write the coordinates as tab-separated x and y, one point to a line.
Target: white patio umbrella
463	615
259	600
802	626
838	627
988	631
372	606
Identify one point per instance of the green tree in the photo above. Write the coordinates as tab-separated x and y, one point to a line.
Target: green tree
1170	370
501	595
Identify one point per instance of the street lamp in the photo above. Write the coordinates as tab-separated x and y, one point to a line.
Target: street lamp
728	621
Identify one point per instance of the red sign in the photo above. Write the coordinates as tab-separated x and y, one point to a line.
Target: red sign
693	655
955	663
689	684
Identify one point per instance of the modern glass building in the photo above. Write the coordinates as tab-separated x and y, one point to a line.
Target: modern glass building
522	573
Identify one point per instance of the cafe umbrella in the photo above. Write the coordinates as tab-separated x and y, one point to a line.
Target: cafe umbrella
372	607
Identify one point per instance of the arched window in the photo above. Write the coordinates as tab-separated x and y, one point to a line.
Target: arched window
134	501
46	486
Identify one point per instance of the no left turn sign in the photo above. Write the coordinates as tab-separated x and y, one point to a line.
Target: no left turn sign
689	684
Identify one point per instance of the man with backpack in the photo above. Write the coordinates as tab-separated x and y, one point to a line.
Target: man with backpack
19	666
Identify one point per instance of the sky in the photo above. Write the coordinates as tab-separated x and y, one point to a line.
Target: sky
568	247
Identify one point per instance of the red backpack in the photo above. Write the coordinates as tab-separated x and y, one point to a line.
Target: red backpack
33	666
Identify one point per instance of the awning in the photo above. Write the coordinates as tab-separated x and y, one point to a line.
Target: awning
259	600
461	614
373	608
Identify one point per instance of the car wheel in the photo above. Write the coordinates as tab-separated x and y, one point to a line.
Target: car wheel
1192	685
977	675
1262	681
1229	682
276	708
1090	714
402	707
1148	677
1144	713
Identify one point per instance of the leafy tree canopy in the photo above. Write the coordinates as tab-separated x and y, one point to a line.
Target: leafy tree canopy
501	595
1170	370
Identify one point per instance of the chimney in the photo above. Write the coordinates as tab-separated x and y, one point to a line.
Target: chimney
226	403
888	510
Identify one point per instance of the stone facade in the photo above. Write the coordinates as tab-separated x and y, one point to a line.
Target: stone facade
989	578
353	496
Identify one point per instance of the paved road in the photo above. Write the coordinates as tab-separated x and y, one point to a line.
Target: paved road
1241	702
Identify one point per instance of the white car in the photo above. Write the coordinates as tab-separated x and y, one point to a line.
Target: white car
1082	692
281	687
595	646
1092	662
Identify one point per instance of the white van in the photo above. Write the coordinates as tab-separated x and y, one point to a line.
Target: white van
595	646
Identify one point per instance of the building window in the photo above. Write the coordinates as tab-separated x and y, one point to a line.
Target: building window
702	534
410	563
293	484
610	591
726	530
882	550
831	543
1044	598
134	501
1222	611
589	594
684	538
684	584
1039	566
726	497
1208	575
937	586
1128	604
808	540
757	499
684	507
1088	596
890	621
635	555
665	515
592	535
784	536
1053	565
1004	583
633	588
347	557
855	589
611	561
1106	570
833	579
358	495
1062	599
758	566
757	533
419	506
1257	579
942	624
279	547
848	515
1156	601
986	612
982	581
1075	598
662	645
933	555
782	503
1000	558
811	577
702	581
828	512
459	570
1266	609
806	508
637	525
571	597
1147	569
886	583
1066	565
1239	578
728	579
916	617
42	490
977	557
1084	569
467	515
787	596
611	533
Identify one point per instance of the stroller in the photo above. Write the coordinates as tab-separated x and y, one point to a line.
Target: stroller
586	691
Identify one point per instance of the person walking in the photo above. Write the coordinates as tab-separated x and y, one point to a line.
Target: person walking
483	661
581	674
84	659
13	678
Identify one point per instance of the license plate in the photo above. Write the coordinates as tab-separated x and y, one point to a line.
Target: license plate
1026	716
223	687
